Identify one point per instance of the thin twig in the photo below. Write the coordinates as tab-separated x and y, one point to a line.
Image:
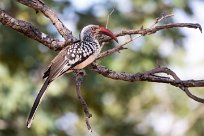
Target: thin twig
107	21
159	19
182	87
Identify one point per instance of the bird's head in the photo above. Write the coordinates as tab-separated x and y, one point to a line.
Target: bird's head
95	32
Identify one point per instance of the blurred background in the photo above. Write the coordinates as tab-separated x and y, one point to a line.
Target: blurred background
119	108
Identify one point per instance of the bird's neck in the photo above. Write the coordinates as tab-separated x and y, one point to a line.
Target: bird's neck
91	41
88	39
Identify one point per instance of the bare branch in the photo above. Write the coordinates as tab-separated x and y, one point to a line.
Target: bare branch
30	31
142	76
38	5
107	21
185	89
149	31
159	19
151	77
79	79
144	32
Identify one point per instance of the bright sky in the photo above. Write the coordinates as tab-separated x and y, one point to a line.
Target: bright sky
193	43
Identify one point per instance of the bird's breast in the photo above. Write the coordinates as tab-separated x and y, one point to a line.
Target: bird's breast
88	60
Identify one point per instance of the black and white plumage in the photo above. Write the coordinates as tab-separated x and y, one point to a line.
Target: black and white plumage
73	57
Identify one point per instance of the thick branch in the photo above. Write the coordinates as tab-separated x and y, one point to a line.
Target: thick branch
146	76
30	31
151	77
38	5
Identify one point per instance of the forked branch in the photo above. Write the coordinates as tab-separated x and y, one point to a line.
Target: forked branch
30	31
151	76
39	5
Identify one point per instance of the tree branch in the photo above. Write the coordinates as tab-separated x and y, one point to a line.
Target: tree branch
144	32
79	78
30	31
154	29
151	77
38	5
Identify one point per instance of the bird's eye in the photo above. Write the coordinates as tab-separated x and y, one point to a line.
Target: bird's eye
94	29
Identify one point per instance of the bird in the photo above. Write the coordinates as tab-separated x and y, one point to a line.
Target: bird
72	57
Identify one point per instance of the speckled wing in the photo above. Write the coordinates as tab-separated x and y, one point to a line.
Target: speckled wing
67	59
60	64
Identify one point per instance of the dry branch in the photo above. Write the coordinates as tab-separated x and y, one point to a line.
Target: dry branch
151	77
79	78
30	31
144	32
38	5
152	30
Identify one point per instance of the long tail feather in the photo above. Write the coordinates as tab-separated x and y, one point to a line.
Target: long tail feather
37	102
